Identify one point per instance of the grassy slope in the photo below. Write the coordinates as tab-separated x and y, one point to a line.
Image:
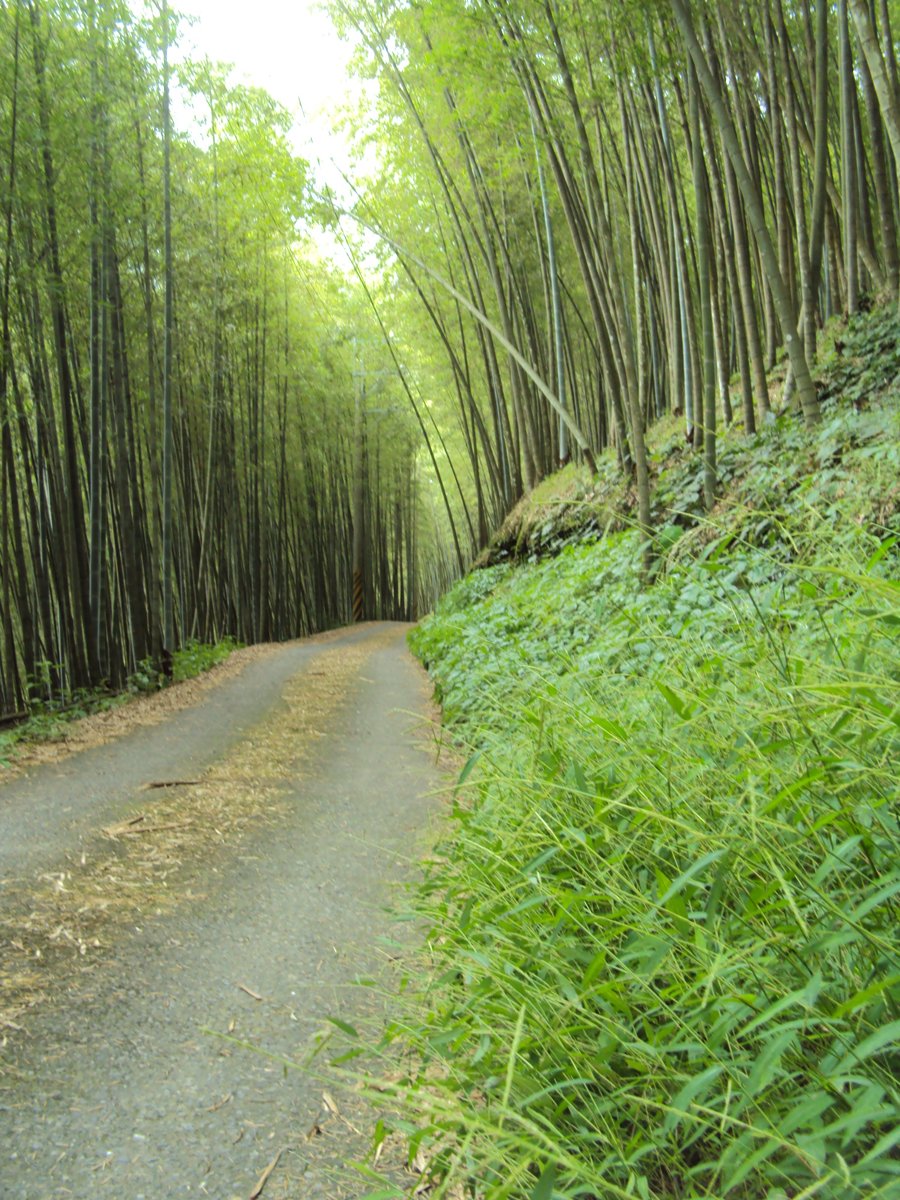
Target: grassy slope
664	925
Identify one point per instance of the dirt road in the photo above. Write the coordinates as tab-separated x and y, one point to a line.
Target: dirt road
243	901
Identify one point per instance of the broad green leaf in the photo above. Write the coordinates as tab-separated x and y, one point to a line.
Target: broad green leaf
680	1104
543	1189
888	1035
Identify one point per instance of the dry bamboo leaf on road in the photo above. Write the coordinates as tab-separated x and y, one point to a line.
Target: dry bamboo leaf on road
134	828
164	827
167	783
122	827
264	1178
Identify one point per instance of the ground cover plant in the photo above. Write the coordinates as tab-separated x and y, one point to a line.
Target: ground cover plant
663	946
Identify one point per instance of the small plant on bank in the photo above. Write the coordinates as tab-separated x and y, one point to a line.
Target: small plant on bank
193	658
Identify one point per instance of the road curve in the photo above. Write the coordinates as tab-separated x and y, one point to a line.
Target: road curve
114	1089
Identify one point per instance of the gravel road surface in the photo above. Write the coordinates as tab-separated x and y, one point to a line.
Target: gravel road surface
114	1086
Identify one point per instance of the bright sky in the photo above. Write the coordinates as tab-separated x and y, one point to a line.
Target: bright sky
288	47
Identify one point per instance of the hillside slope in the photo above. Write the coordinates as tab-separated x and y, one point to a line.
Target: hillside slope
665	960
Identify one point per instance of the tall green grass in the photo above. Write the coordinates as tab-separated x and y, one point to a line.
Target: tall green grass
664	957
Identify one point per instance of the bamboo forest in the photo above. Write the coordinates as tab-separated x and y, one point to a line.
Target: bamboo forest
583	367
606	236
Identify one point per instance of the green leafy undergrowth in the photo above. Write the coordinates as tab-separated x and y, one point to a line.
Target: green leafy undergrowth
48	719
193	658
664	958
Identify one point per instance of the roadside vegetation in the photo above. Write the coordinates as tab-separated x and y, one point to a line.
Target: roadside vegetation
663	954
49	719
